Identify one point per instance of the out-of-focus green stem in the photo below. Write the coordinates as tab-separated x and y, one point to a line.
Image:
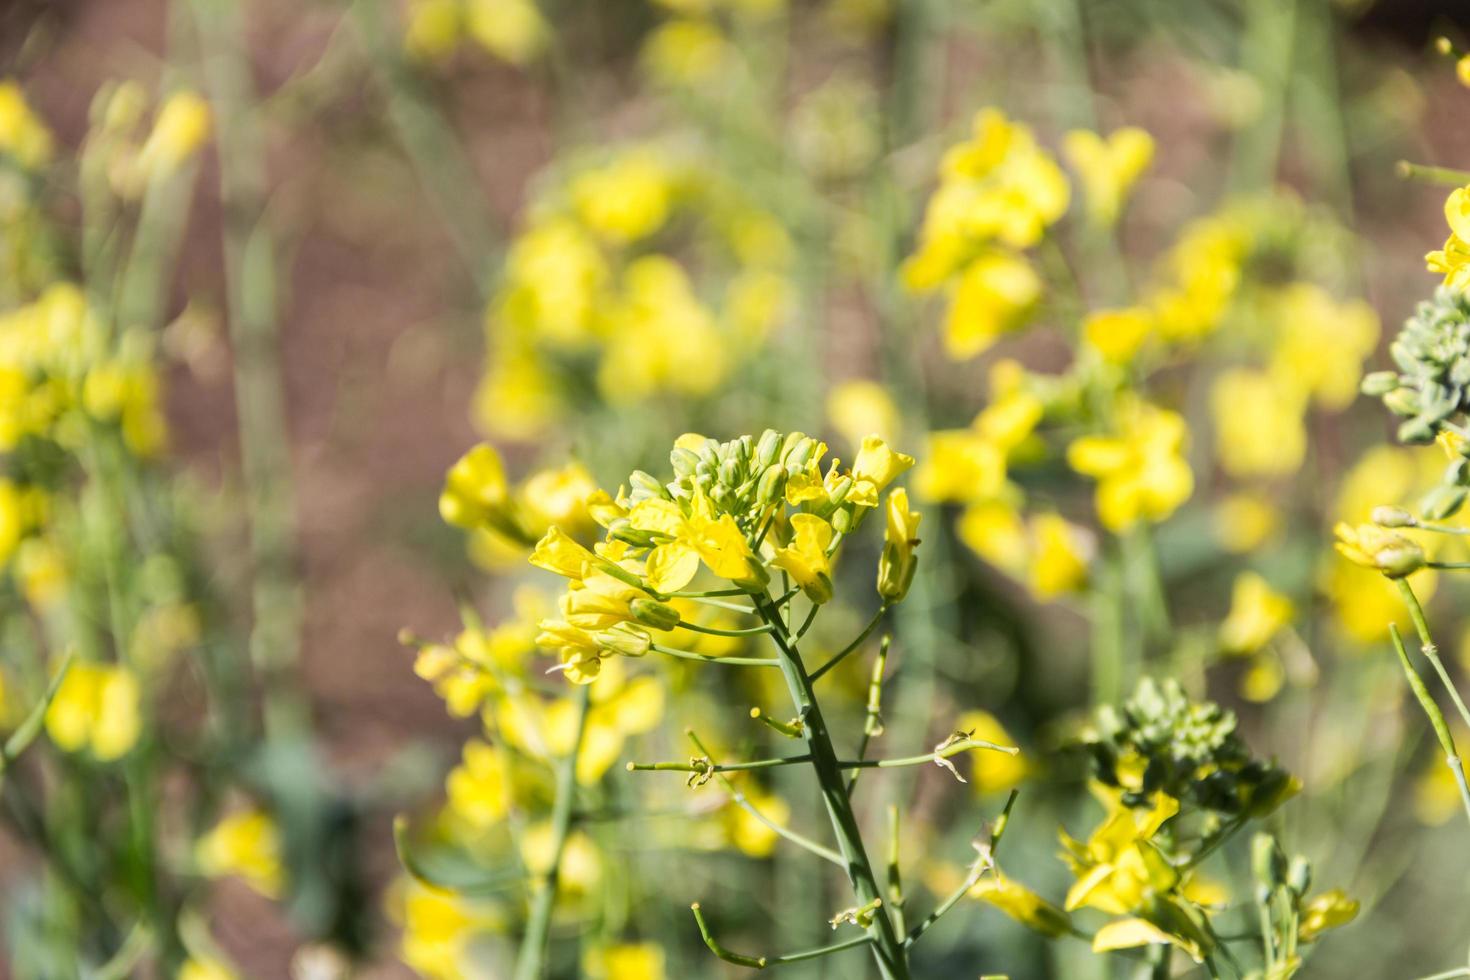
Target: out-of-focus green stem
531	963
1266	52
250	269
1446	176
432	147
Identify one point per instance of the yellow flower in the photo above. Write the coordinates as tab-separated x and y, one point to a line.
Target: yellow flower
1141	470
476	492
1022	904
517	398
1320	344
806	557
556	552
182	127
691	538
994	530
512	30
1378	548
660	336
1108	168
960	465
479	788
896	565
991	297
206	968
246	845
1117	869
1257	613
22	135
1259	429
1453	261
626	961
557	496
859	408
1118	334
555	278
581	863
1060	553
1203	272
626	200
686	51
1243	522
433	28
438	928
97	708
876	466
1325	911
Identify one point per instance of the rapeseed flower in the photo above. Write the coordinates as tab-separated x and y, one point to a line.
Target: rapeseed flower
1108	167
97	708
1140	468
246	845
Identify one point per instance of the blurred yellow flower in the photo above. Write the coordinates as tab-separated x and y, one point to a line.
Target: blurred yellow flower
1244	522
1118	334
581	862
22	134
96	708
1325	911
181	128
1259	429
1108	167
860	408
438	928
1320	344
625	961
511	30
1022	904
686	51
660	336
1140	468
1060	554
992	296
246	845
1257	613
625	200
960	465
479	788
206	968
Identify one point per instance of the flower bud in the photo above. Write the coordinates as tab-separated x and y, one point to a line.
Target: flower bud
1442	502
684	462
1299	876
1268	865
1379	383
1417	431
767	449
624	638
1402	401
771	484
1392	517
651	612
645	484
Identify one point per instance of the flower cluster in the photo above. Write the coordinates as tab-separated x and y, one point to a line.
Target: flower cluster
597	294
739	509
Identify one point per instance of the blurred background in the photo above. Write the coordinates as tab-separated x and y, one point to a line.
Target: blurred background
386	162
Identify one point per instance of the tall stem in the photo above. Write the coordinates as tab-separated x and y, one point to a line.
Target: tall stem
251	288
531	963
1428	647
888	950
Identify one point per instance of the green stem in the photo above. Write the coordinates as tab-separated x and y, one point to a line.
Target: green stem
710	767
888	951
963	745
1446	176
838	657
761	962
531	963
873	718
251	288
1428	647
1436	717
704	658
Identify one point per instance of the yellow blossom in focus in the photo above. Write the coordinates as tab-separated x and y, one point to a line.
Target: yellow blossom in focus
896	565
22	135
876	466
1259	429
1374	547
1108	167
1140	468
1118	334
96	708
1257	613
806	559
1453	261
246	845
859	408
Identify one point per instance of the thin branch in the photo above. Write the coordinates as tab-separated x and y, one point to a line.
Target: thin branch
816	675
705	658
761	962
873	722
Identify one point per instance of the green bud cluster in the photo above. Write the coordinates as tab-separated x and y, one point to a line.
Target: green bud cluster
1432	352
1188	749
742	477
